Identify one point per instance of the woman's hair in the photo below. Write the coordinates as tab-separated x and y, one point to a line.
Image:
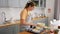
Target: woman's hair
30	4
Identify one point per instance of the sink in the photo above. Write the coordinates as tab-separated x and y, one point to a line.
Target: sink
7	22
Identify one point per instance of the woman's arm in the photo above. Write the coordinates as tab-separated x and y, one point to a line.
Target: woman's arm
25	23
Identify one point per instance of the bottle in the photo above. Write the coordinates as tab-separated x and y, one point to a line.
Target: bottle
59	29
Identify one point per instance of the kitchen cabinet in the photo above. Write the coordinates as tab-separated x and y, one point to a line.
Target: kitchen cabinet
12	3
20	3
9	28
17	3
16	29
3	3
23	3
13	29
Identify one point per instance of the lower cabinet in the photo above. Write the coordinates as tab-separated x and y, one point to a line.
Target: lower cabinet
13	29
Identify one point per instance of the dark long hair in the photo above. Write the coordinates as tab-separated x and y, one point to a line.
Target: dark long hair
30	4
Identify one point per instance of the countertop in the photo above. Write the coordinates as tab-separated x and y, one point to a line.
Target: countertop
25	32
37	18
15	22
9	24
47	32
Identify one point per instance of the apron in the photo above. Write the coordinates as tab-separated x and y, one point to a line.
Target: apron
28	20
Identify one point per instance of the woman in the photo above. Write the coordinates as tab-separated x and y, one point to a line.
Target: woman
25	16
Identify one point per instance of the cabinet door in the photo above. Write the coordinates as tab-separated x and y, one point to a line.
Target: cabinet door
23	3
13	29
17	3
10	30
13	3
3	30
16	29
3	3
6	30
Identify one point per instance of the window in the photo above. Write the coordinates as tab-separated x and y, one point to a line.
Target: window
40	3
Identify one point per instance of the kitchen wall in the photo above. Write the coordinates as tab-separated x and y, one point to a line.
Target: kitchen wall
15	12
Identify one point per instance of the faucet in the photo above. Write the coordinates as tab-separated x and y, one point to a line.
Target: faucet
4	16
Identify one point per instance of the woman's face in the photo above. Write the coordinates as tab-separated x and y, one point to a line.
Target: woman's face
31	8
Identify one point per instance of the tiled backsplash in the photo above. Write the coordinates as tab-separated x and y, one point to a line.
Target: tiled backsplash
11	12
15	12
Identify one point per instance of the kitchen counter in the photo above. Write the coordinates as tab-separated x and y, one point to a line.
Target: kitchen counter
44	32
9	24
25	32
10	28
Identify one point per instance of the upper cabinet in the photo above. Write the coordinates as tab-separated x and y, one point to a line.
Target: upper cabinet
13	3
21	3
3	3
